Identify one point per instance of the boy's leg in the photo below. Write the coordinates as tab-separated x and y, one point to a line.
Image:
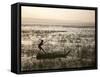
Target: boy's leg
43	50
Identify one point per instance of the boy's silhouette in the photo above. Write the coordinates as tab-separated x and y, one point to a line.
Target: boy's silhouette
40	46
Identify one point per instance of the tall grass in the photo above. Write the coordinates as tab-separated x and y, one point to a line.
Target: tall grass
81	45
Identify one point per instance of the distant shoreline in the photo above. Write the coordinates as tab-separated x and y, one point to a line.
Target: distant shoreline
69	26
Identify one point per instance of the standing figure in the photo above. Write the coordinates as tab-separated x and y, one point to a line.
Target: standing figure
40	46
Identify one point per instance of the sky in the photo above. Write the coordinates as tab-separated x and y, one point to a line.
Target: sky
29	13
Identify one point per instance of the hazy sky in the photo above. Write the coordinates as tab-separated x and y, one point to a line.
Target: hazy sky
68	15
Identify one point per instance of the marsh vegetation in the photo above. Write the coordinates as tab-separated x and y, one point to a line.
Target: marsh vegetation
77	41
